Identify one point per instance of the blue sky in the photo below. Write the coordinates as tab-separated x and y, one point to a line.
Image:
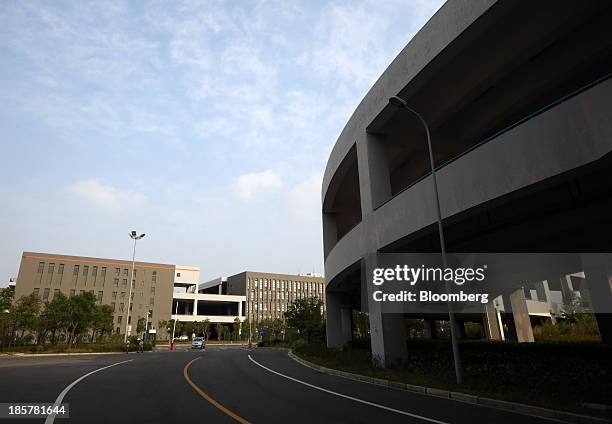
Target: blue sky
205	124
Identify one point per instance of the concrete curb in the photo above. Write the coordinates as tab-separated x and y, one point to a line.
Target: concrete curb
519	408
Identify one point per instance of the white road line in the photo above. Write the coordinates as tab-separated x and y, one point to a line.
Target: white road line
60	398
365	402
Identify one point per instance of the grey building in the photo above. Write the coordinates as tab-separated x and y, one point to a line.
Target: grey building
268	295
519	103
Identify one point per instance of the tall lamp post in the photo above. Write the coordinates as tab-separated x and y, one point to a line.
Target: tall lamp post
134	236
401	103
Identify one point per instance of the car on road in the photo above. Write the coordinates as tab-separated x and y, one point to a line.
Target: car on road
198	343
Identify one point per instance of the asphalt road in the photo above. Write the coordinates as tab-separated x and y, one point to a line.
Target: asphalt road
220	385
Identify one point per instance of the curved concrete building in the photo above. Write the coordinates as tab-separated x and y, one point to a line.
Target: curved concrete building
518	97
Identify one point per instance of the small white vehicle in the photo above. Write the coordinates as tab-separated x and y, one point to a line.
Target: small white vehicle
198	343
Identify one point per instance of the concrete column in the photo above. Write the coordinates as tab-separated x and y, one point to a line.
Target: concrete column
598	274
492	323
195	307
543	291
335	322
520	315
240	308
387	331
346	323
429	328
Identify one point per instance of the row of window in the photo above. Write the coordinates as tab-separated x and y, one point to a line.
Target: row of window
286	285
85	273
100	294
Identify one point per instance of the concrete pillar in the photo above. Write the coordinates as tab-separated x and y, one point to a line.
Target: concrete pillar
240	308
492	323
429	329
387	331
520	315
195	307
543	291
346	323
335	322
599	280
459	328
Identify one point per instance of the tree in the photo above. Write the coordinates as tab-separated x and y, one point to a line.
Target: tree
306	316
189	328
52	318
25	314
6	300
102	321
236	328
572	306
206	328
79	315
220	331
244	329
140	325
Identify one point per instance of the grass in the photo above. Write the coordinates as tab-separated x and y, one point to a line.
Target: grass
551	375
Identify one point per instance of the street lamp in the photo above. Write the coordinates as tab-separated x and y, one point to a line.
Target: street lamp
146	330
134	236
401	103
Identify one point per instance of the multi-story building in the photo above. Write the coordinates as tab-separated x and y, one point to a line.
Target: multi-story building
267	295
520	124
165	291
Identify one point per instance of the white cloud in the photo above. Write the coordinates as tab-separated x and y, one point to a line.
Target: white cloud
248	186
111	199
304	199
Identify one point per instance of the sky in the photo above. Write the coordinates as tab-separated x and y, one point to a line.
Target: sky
204	124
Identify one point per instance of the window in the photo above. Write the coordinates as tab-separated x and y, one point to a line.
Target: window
152	290
117	271
85	270
121	307
116	283
100	296
124	283
103	272
94	271
114	295
178	274
119	319
36	290
113	305
75	270
154	276
46	294
41	267
122	295
56	292
72	292
125	271
152	301
60	269
51	268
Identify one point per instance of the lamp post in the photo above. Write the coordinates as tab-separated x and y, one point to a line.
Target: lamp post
174	326
398	101
134	236
146	329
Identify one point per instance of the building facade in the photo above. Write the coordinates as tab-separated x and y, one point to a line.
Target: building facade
165	291
521	128
267	295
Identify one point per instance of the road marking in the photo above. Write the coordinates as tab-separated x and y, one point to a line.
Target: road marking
60	398
365	402
208	398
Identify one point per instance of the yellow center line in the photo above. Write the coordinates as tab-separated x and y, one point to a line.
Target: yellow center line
208	398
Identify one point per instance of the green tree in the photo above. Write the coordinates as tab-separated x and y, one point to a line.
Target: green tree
52	319
25	314
102	321
572	306
140	325
78	315
7	295
220	328
236	328
305	315
206	328
244	329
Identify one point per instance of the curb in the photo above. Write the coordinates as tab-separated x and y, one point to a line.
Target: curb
519	408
